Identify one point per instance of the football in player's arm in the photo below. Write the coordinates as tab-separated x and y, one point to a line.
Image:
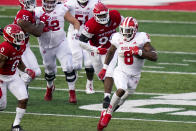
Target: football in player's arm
132	48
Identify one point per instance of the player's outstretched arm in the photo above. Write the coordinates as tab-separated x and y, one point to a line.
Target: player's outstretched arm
32	29
110	54
148	52
72	20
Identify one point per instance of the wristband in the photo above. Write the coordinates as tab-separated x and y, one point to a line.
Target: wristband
140	52
105	66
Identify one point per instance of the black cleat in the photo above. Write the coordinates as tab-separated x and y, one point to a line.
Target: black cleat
106	102
16	128
116	108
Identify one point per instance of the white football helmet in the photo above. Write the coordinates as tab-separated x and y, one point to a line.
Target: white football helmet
49	5
101	13
14	34
128	28
28	4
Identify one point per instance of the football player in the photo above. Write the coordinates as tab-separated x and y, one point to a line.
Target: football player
132	48
25	18
11	51
97	32
53	45
82	10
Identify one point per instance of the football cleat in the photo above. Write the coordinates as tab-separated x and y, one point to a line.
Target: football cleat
48	95
99	126
106	102
72	96
16	128
105	120
89	88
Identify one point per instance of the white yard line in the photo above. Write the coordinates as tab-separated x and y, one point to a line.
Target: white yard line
166	72
173	35
177	64
154	67
193	61
95	117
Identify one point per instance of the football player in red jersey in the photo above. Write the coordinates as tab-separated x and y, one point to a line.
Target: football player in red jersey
25	18
97	32
11	51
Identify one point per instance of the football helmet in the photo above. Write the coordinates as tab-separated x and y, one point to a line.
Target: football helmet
28	4
128	28
82	3
49	5
101	13
14	34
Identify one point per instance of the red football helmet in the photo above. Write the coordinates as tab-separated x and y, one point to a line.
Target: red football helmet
49	5
128	28
101	13
14	34
28	4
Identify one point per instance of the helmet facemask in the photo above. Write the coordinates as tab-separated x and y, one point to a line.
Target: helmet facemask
102	18
49	5
82	3
128	28
28	4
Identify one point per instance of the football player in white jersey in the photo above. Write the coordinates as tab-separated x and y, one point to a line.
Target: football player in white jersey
132	48
53	45
83	11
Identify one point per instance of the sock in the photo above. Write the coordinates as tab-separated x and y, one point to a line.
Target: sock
71	85
113	103
50	84
88	82
107	94
19	114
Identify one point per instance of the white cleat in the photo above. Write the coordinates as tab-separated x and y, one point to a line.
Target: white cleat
89	88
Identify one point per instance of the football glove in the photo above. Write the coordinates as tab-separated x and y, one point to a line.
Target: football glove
103	72
101	51
136	51
30	72
43	19
76	34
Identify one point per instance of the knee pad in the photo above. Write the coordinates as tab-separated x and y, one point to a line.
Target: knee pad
37	72
77	67
90	70
70	76
50	77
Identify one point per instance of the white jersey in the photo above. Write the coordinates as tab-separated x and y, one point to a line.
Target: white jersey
56	20
128	63
82	14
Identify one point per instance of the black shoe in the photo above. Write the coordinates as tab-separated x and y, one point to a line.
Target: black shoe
106	102
16	128
116	108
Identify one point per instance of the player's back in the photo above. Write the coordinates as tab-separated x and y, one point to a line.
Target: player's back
13	56
101	33
56	24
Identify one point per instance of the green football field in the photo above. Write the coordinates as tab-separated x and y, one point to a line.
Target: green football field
165	99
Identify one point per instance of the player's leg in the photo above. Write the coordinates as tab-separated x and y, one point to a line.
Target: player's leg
64	56
3	98
49	61
108	82
89	72
18	89
30	61
121	84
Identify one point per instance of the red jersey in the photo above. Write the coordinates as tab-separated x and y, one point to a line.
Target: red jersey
101	33
27	16
13	57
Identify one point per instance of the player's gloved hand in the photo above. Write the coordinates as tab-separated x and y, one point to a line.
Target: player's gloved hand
44	19
102	72
136	51
0	93
30	72
1	31
101	51
76	34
